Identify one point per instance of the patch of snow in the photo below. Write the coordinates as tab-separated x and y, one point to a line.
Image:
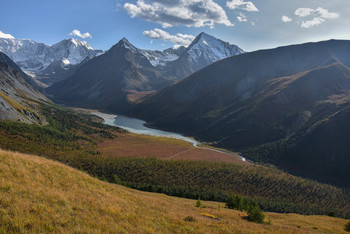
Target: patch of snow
65	62
100	53
159	58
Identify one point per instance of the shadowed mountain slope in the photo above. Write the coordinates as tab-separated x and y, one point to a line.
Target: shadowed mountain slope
103	81
248	101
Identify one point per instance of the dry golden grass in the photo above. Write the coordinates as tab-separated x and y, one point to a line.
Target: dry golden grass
39	195
12	102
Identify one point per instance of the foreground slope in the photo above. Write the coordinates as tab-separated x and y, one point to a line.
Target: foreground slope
248	101
39	195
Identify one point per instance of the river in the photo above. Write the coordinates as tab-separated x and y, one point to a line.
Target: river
138	126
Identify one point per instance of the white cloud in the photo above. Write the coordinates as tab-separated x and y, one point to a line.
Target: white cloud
324	13
168	13
286	19
242	17
311	23
242	5
319	15
4	35
178	39
77	33
320	12
302	12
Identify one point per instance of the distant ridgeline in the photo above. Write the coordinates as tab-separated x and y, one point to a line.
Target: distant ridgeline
124	74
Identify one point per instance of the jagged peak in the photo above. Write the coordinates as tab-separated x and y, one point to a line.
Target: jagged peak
77	42
126	44
203	37
124	39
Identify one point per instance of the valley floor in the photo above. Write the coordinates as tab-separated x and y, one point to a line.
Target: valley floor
40	195
129	144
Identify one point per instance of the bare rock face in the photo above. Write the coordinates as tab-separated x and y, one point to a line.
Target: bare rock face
19	101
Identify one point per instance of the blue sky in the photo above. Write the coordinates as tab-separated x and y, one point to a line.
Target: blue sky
159	24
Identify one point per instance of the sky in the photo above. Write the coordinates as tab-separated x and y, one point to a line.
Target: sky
160	24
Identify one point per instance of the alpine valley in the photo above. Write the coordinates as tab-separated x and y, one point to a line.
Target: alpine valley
64	168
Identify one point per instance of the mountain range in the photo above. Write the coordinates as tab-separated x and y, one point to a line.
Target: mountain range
48	64
125	73
287	106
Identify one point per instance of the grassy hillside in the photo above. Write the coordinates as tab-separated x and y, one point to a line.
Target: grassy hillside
74	140
39	195
274	190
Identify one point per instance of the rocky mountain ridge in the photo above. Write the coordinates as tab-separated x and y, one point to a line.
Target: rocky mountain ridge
124	73
43	61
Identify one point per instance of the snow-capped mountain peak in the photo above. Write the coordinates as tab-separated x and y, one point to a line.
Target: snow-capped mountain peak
78	43
204	50
73	50
208	48
34	56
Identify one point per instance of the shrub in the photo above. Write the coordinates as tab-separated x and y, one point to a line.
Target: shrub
116	180
235	202
331	214
347	227
255	214
199	203
189	219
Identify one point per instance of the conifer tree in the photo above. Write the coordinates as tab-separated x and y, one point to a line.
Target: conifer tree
198	203
255	214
